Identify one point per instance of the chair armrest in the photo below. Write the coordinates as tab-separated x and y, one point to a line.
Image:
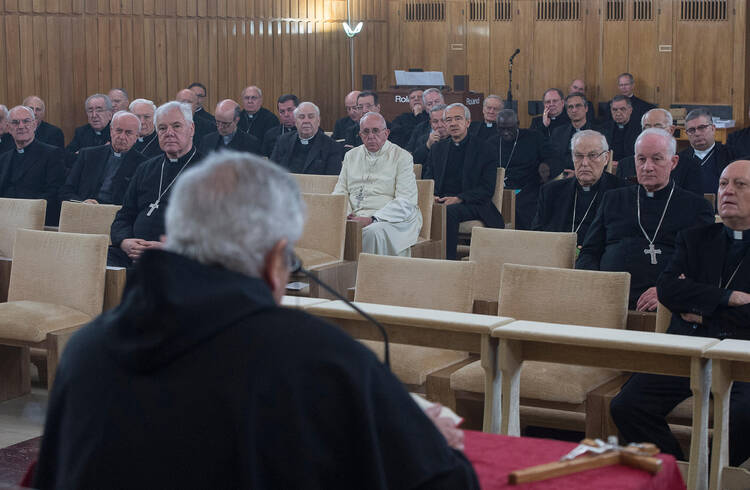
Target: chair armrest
641	321
437	230
114	285
5	265
353	240
509	208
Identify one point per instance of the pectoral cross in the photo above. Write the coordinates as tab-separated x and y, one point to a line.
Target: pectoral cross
653	252
152	207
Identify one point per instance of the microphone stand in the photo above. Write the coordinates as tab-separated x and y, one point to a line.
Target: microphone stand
510	81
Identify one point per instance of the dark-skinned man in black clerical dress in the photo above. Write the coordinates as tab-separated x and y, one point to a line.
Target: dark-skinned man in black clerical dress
439	131
255	119
6	140
709	155
45	132
622	130
464	169
430	98
569	205
139	224
487	127
286	105
403	125
557	148
344	124
32	169
227	136
707	288
147	143
519	152
308	150
554	114
101	174
296	402
635	226
95	132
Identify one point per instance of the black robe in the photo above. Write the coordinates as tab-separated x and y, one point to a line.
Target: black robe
86	178
37	173
705	256
199	380
7	143
341	127
615	242
205	116
479	129
202	128
420	134
50	134
556	149
621	141
640	107
257	124
403	126
709	169
686	175
323	155
537	125
148	146
739	143
272	135
240	142
555	206
84	137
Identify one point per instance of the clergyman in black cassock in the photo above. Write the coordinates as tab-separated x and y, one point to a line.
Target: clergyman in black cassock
316	155
709	167
487	127
554	109
706	288
227	134
50	134
622	130
424	140
403	125
254	118
272	136
86	136
557	148
95	132
739	142
6	143
148	145
352	116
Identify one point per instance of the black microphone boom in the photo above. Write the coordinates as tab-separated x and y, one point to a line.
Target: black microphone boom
510	78
514	54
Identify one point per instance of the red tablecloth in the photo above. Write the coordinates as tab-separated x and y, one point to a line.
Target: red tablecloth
495	456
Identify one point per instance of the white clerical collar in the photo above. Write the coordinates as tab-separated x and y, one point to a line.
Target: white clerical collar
20	151
649	194
702	153
98	133
305	141
140	139
174	160
117	154
737	234
586	188
228	138
489	125
621	126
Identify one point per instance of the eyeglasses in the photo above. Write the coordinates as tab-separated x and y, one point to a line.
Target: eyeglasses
700	128
620	109
574	106
252	97
16	122
223	124
365	107
97	110
578	157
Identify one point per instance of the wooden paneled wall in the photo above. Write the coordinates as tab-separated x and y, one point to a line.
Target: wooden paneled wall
64	50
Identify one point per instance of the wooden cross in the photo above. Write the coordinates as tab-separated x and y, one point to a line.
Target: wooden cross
593	454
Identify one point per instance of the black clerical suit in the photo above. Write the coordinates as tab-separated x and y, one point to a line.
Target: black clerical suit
240	142
342	126
257	124
37	173
84	137
403	126
272	136
50	134
710	167
640	107
205	116
202	129
133	219
483	130
420	133
555	208
7	143
621	140
521	158
467	170
739	143
537	124
687	174
320	155
707	256
556	149
96	166
148	145
200	380
615	242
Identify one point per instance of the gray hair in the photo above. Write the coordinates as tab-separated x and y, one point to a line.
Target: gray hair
120	114
142	101
107	102
467	112
666	113
620	98
372	114
4	113
438	107
185	108
122	90
668	139
31	111
699	112
493	96
260	93
232	209
588	133
432	90
299	107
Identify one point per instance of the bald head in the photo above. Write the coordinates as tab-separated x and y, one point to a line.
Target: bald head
577	86
227	116
734	195
38	106
350	102
187	96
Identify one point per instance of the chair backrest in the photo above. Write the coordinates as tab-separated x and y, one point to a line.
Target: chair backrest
78	217
316	184
325	225
418	171
425	198
569	296
491	248
663	318
61	268
497	197
711	198
16	214
419	283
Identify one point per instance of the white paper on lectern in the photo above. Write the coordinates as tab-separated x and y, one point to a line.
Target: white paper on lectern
432	78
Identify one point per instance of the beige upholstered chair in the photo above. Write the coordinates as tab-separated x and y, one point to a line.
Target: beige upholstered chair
316	184
18	214
78	217
419	283
418	171
464	228
491	248
555	394
56	286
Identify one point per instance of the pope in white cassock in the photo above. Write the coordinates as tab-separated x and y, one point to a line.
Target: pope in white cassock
378	178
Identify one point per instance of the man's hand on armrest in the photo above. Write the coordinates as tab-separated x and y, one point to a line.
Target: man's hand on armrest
739	298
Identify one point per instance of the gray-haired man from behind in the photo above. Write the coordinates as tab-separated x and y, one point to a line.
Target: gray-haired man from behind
296	402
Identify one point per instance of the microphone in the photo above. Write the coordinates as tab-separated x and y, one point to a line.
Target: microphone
297	267
514	54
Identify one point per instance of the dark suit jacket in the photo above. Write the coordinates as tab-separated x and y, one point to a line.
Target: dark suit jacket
479	176
546	131
632	130
556	150
271	136
739	143
42	175
262	121
324	157
699	255
342	126
84	137
687	174
722	156
240	142
476	126
206	117
85	180
7	143
50	134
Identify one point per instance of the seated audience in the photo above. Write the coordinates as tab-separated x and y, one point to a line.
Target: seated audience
286	105
403	126
557	148
95	132
367	101
201	113
202	127
255	119
227	136
119	99
6	140
438	132
147	143
45	132
344	124
622	129
487	128
554	113
430	98
709	155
